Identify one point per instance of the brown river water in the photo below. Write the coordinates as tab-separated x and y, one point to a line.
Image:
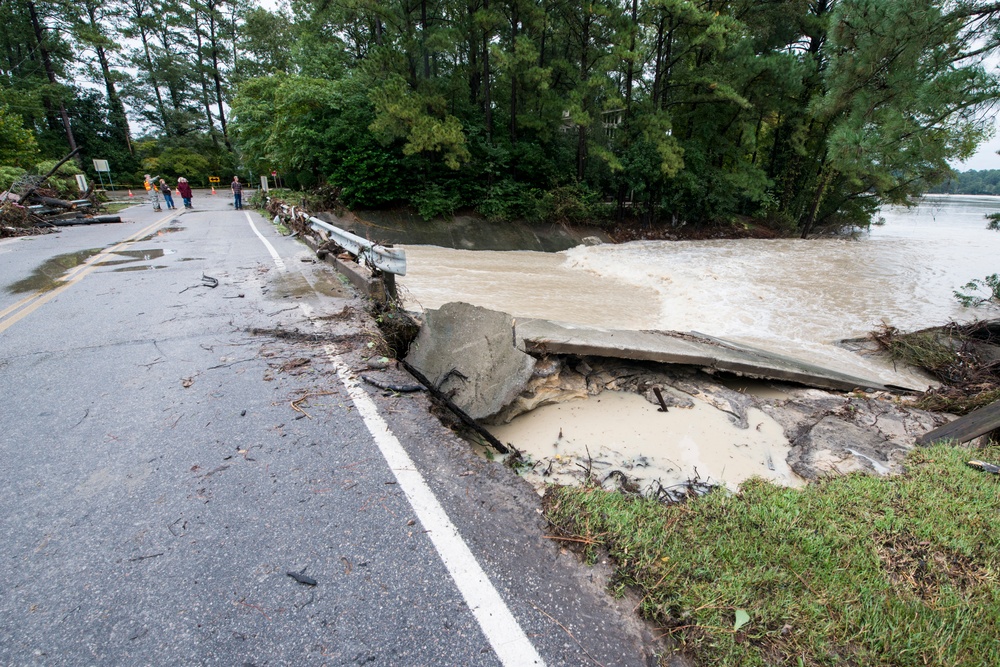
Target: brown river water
796	297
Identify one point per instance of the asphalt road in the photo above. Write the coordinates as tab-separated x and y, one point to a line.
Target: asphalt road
171	450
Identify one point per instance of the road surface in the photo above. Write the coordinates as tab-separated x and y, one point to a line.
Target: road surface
183	425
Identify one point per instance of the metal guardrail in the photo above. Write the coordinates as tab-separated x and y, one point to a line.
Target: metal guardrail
389	260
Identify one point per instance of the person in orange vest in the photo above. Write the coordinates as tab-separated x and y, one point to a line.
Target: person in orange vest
154	193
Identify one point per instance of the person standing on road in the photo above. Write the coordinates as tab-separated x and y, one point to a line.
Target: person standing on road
167	196
237	188
154	192
184	189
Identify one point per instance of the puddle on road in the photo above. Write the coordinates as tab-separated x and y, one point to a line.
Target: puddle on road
624	432
137	256
139	268
47	276
296	286
160	232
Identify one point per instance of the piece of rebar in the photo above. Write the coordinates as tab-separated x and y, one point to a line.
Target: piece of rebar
459	412
659	397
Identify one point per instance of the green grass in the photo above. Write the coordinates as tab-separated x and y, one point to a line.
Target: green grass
110	208
858	570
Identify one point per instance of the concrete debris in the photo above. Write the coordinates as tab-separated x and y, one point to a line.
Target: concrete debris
468	354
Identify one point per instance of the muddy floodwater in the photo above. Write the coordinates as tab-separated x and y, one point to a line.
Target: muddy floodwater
796	297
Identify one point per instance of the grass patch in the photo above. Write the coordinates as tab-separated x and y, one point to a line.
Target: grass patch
857	570
110	208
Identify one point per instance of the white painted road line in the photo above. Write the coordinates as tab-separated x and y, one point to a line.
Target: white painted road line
495	619
280	263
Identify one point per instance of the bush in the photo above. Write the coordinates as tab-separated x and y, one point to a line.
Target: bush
435	201
370	177
9	175
570	204
511	200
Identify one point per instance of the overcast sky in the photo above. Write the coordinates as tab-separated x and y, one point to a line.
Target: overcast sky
985	158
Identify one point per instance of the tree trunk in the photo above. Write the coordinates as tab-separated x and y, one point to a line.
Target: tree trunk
487	90
50	71
514	20
153	80
423	39
205	97
213	37
114	100
826	175
581	134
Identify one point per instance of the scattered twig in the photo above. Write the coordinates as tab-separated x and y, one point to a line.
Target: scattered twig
295	403
86	413
145	557
584	540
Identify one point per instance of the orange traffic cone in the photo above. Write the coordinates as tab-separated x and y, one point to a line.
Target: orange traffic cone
130	193
213	189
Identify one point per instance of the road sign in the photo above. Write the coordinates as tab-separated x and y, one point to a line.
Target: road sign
213	179
274	173
101	165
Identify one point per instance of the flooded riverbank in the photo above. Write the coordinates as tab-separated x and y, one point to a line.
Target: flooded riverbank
796	297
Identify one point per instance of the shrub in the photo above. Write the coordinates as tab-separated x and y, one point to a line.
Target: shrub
435	201
511	200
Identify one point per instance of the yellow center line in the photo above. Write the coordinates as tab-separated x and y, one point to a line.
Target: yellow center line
30	304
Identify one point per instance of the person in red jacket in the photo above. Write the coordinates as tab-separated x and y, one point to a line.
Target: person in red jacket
184	188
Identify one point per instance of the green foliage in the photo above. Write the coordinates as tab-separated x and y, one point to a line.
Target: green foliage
512	200
859	569
179	161
570	204
370	177
9	175
980	292
17	144
420	120
808	114
435	200
972	182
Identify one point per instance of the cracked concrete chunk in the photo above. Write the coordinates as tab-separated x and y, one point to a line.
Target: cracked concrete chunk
468	353
834	447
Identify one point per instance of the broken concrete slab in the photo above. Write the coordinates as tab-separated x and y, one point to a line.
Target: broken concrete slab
687	348
468	354
977	423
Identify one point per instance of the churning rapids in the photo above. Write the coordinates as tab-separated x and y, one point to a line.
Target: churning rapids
796	297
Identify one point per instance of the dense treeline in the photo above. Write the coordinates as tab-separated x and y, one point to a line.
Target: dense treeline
806	113
985	182
84	73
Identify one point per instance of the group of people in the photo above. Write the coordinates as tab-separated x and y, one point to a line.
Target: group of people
157	186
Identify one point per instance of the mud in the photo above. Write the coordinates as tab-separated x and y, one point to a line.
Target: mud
600	419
